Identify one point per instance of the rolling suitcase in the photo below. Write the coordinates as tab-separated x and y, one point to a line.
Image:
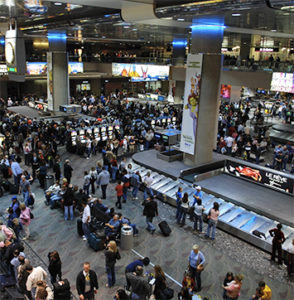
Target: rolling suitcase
61	290
164	227
13	188
80	227
95	242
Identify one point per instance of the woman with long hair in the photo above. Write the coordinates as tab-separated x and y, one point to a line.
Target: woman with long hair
183	210
212	220
54	266
160	283
111	255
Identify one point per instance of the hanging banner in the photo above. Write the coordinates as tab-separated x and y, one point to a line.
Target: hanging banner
50	80
191	103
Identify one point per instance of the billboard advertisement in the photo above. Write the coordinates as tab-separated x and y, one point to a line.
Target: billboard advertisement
267	178
140	72
191	103
36	68
282	82
226	91
75	67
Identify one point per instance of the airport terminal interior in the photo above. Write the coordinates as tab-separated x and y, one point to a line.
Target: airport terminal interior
146	149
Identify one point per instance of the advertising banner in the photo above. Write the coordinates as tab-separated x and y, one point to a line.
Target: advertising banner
36	68
140	72
191	103
50	80
267	178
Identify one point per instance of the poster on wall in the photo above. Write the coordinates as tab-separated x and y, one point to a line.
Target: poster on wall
50	80
36	68
191	103
270	179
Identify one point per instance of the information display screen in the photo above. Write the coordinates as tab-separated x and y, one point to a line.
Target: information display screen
140	72
75	67
36	68
282	82
226	91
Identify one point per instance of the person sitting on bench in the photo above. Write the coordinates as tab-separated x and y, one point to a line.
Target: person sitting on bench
111	228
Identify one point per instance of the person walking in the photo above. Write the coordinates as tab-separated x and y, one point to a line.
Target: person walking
111	255
35	164
25	219
183	210
233	288
103	179
16	171
35	275
160	283
196	265
119	192
148	180
57	169
54	267
42	174
212	220
278	240
67	171
87	183
93	177
150	211
87	283
136	182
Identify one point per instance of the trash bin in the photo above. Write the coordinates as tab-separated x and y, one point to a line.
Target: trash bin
126	239
49	180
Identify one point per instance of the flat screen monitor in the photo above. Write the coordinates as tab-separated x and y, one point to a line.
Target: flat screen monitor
110	128
73	133
282	82
104	138
82	132
103	129
96	130
174	119
163	121
153	122
168	121
117	127
89	131
157	136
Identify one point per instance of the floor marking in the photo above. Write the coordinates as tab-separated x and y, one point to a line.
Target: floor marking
172	279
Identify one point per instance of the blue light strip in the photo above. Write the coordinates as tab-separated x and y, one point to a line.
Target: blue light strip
208	27
179	43
56	37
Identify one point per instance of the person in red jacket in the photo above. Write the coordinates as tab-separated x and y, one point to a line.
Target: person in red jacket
189	283
277	242
119	192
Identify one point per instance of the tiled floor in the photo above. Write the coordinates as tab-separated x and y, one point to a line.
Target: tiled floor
226	253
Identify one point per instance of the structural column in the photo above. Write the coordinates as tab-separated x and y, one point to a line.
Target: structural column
57	71
245	46
207	39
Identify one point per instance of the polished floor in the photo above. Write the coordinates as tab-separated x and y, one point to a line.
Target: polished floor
226	253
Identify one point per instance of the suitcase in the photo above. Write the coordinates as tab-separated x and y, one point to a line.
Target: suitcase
259	234
80	227
13	188
164	227
95	242
62	291
6	281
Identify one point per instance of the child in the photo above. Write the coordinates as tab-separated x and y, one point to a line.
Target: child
179	201
228	279
119	193
258	294
189	283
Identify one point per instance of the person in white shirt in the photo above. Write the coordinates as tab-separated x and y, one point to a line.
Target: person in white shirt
148	180
36	274
229	140
86	219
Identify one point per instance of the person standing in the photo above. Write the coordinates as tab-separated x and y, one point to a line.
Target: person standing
67	171
179	197
196	265
68	199
183	210
198	212
42	174
16	171
233	288
25	219
119	192
148	180
54	267
87	183
86	219
25	188
212	220
35	275
278	240
150	211
35	164
57	169
136	182
103	180
160	283
87	283
111	255
93	177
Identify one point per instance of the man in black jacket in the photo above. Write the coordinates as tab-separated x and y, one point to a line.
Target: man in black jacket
150	211
67	170
68	199
87	283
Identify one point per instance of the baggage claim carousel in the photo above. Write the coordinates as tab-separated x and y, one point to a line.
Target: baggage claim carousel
243	220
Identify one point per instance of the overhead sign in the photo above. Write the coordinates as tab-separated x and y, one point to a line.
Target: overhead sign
140	72
267	178
282	82
3	70
191	103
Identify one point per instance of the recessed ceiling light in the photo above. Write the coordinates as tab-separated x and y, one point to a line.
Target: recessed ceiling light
273	30
236	15
181	20
57	3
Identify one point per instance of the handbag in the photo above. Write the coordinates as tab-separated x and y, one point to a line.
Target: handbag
118	255
168	293
31	215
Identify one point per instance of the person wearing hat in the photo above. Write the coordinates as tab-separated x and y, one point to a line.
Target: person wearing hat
197	195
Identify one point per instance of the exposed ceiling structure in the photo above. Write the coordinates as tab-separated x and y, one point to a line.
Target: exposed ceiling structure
155	21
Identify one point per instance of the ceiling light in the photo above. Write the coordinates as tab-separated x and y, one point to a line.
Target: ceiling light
236	15
57	3
274	30
181	20
134	29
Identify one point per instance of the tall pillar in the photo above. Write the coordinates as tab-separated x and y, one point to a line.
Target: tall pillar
179	52
207	37
3	89
57	71
245	46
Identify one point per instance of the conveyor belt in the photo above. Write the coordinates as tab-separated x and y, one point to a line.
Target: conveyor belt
238	220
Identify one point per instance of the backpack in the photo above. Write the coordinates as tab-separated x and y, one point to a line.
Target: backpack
134	181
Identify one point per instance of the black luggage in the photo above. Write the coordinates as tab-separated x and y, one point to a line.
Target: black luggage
259	234
164	227
80	227
13	188
61	290
5	185
6	280
95	242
